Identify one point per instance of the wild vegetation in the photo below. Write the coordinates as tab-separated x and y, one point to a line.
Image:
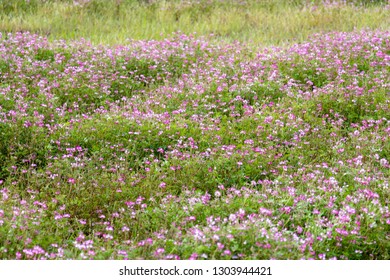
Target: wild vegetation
192	148
259	22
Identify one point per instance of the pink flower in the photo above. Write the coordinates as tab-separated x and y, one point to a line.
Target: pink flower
286	209
226	253
91	253
122	253
194	256
232	217
230	236
268	119
149	241
159	251
265	211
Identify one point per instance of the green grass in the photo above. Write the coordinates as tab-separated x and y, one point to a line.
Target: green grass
259	22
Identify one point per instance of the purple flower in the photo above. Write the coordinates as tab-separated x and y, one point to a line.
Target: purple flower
159	251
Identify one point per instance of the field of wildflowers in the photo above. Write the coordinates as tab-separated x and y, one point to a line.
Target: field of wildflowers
187	149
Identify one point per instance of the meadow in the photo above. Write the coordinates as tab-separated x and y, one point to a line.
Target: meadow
195	145
256	22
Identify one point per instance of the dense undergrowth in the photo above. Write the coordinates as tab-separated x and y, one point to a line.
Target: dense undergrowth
187	149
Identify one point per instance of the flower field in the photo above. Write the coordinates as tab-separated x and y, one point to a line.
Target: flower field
185	148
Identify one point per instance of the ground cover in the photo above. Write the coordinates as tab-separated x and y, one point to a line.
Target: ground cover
189	149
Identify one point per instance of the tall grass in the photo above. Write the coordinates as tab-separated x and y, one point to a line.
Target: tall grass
261	22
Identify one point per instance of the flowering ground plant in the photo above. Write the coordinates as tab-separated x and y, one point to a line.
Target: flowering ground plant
188	149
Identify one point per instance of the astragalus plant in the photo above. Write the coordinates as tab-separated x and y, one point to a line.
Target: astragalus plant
187	149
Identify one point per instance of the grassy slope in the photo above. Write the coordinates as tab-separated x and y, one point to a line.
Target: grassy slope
261	22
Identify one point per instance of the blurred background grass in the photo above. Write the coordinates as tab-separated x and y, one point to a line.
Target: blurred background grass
111	22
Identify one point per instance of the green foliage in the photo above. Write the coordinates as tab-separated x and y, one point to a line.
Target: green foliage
263	92
368	2
303	72
85	96
4	67
45	54
5	136
353	108
21	146
6	103
142	74
15	7
134	141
